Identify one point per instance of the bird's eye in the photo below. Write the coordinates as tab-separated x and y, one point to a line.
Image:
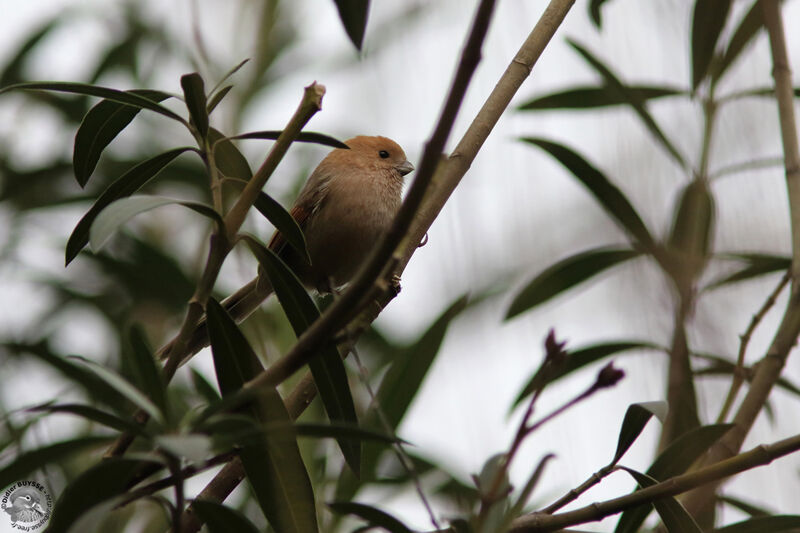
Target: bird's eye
384	154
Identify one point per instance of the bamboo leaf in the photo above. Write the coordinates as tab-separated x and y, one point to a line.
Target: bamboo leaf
566	274
636	418
219	518
707	22
372	515
195	95
122	97
127	184
227	157
764	524
595	97
304	136
99	127
284	222
27	462
105	480
272	463
353	14
606	193
632	98
94	415
146	372
116	214
215	100
673	515
755	265
748	28
327	367
673	461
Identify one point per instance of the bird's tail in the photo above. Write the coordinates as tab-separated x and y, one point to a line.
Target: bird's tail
239	305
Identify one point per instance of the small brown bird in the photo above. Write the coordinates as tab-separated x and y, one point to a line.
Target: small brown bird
347	204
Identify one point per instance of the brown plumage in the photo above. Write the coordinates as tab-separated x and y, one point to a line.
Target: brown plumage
346	205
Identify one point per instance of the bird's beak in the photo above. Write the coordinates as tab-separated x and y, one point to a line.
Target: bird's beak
404	168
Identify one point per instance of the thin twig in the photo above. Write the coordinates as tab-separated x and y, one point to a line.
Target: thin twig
759	456
739	372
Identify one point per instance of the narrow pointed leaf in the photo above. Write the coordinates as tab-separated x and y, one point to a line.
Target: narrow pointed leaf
124	388
353	14
748	28
673	461
673	515
100	483
147	373
578	358
527	490
607	194
203	387
372	515
636	418
127	184
195	95
99	127
272	462
214	101
566	274
707	22
764	524
123	97
327	367
12	73
632	98
305	136
284	222
755	265
227	157
93	414
27	462
219	518
745	506
228	75
342	431
116	214
595	97
594	12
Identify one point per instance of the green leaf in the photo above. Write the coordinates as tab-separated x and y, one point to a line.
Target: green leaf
576	359
12	72
748	28
744	506
673	461
707	22
304	136
203	387
116	214
595	97
764	524
192	446
755	265
105	480
123	388
372	515
99	127
227	76
692	231
632	98
273	463
94	415
214	101
327	367
123	97
675	518
221	519
636	418
353	14
607	194
146	371
284	222
566	274
227	158
124	186
399	387
342	431
25	463
594	12
195	95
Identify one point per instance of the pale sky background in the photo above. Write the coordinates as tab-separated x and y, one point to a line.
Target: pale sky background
515	213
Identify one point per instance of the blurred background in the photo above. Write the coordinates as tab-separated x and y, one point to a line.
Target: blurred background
516	212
